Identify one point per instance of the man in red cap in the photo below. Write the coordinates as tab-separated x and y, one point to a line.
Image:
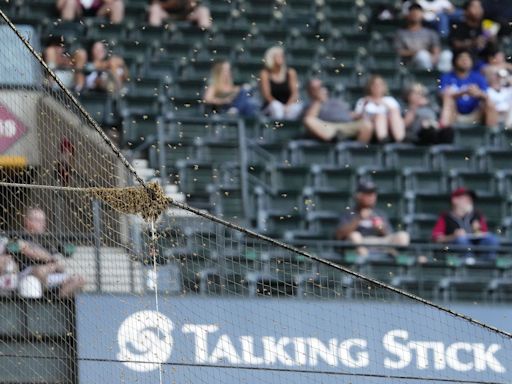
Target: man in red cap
463	225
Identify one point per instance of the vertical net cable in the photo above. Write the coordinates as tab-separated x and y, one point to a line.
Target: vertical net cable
170	293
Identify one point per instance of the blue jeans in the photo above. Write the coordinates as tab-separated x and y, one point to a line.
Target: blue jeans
488	240
442	25
245	103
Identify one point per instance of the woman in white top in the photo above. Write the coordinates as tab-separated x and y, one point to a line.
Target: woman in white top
382	110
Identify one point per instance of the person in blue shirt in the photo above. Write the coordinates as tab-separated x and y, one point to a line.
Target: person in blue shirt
464	95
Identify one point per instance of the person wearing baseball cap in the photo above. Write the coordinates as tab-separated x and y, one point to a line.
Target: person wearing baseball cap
364	224
463	225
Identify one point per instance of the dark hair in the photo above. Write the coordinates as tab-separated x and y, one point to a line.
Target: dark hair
456	55
415	6
467	4
490	50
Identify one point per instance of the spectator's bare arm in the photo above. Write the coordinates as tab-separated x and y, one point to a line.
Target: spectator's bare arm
35	253
345	229
265	86
294	87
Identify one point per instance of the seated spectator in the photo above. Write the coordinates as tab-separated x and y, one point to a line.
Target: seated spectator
421	122
463	225
71	10
500	96
495	63
190	10
418	45
498	72
107	72
328	119
464	95
382	110
69	68
37	261
279	87
437	13
469	34
224	96
366	225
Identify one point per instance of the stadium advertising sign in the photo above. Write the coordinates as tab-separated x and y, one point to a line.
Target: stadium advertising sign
11	129
193	339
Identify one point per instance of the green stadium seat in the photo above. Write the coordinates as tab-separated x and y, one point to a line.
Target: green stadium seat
196	70
429	204
133	103
323	223
277	225
460	288
195	176
334	177
102	30
500	290
219	153
216	51
172	153
382	270
41	9
139	128
259	11
280	131
392	204
161	67
423	279
472	136
248	69
148	35
453	157
147	86
227	203
133	51
503	180
135	11
267	285
419	226
406	156
263	153
220	12
279	203
99	105
494	159
354	154
328	200
288	178
425	181
387	180
68	31
495	209
310	152
483	183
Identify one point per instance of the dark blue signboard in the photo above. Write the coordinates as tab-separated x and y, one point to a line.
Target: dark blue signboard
219	340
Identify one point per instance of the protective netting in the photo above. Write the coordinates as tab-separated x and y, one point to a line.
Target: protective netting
183	297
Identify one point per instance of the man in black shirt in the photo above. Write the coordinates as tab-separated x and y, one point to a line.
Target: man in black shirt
36	260
469	34
364	224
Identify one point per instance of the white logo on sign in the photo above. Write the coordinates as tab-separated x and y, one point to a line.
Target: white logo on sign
7	128
145	340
